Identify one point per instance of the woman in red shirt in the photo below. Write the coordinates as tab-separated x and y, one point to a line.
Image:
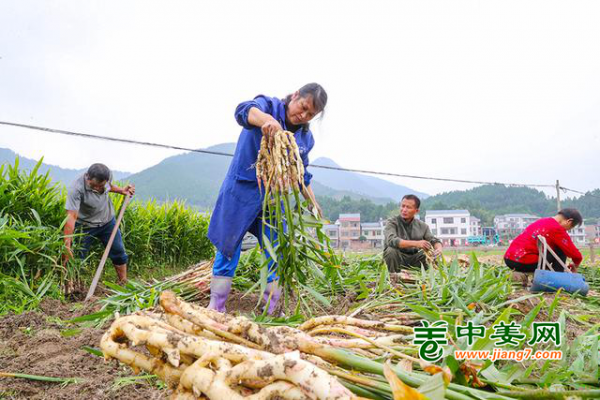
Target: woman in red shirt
522	254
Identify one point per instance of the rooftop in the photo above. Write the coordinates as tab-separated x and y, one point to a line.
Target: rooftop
440	212
370	224
350	216
517	216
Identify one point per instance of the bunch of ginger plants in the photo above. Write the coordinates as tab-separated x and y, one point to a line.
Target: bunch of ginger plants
295	240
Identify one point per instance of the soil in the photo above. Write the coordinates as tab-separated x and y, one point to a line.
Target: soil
41	343
38	343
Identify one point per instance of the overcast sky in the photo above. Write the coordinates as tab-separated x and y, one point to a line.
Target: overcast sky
482	90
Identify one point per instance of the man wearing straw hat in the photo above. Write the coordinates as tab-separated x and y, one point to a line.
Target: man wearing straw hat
90	209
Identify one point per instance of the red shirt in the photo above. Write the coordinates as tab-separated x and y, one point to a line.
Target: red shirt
524	248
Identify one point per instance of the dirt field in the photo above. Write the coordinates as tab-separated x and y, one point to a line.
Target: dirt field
33	343
38	343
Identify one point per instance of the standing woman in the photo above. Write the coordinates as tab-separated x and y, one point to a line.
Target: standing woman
239	205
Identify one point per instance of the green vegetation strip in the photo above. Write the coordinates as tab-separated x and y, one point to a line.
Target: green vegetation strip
64	381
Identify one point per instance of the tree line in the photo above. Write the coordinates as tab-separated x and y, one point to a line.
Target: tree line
484	202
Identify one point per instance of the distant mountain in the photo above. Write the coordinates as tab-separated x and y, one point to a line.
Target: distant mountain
489	200
359	183
197	177
58	174
321	190
193	177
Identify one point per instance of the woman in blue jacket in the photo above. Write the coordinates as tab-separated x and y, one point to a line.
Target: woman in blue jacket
239	205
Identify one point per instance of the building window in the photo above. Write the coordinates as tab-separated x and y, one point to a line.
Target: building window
448	220
463	231
433	221
448	231
463	220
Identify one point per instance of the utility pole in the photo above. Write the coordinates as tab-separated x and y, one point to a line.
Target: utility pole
557	195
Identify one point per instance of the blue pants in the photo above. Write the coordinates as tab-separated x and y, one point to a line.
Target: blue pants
224	267
102	233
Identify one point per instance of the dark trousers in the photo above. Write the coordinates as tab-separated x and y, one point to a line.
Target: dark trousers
520	267
397	260
102	234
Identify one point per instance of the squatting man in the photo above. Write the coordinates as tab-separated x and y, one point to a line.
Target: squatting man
407	238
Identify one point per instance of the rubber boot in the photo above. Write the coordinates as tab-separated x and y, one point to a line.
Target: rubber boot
220	286
121	273
271	296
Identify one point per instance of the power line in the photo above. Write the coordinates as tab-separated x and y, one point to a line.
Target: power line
589	193
430	178
112	139
165	146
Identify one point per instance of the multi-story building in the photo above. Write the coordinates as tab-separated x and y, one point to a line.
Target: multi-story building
475	226
373	233
509	226
452	227
578	235
349	229
333	232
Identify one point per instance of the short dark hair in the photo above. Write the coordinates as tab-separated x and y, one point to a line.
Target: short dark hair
413	198
571	213
99	172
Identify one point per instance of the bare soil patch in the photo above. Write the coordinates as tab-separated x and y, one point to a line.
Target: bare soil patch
35	343
39	343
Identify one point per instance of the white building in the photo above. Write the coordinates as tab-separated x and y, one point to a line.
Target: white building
475	226
578	235
511	225
373	231
452	227
333	231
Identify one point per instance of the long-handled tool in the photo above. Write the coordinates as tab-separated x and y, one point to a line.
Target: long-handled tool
107	250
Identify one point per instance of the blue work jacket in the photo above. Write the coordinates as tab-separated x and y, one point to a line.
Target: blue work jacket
240	201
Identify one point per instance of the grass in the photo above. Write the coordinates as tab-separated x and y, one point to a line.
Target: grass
125	381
